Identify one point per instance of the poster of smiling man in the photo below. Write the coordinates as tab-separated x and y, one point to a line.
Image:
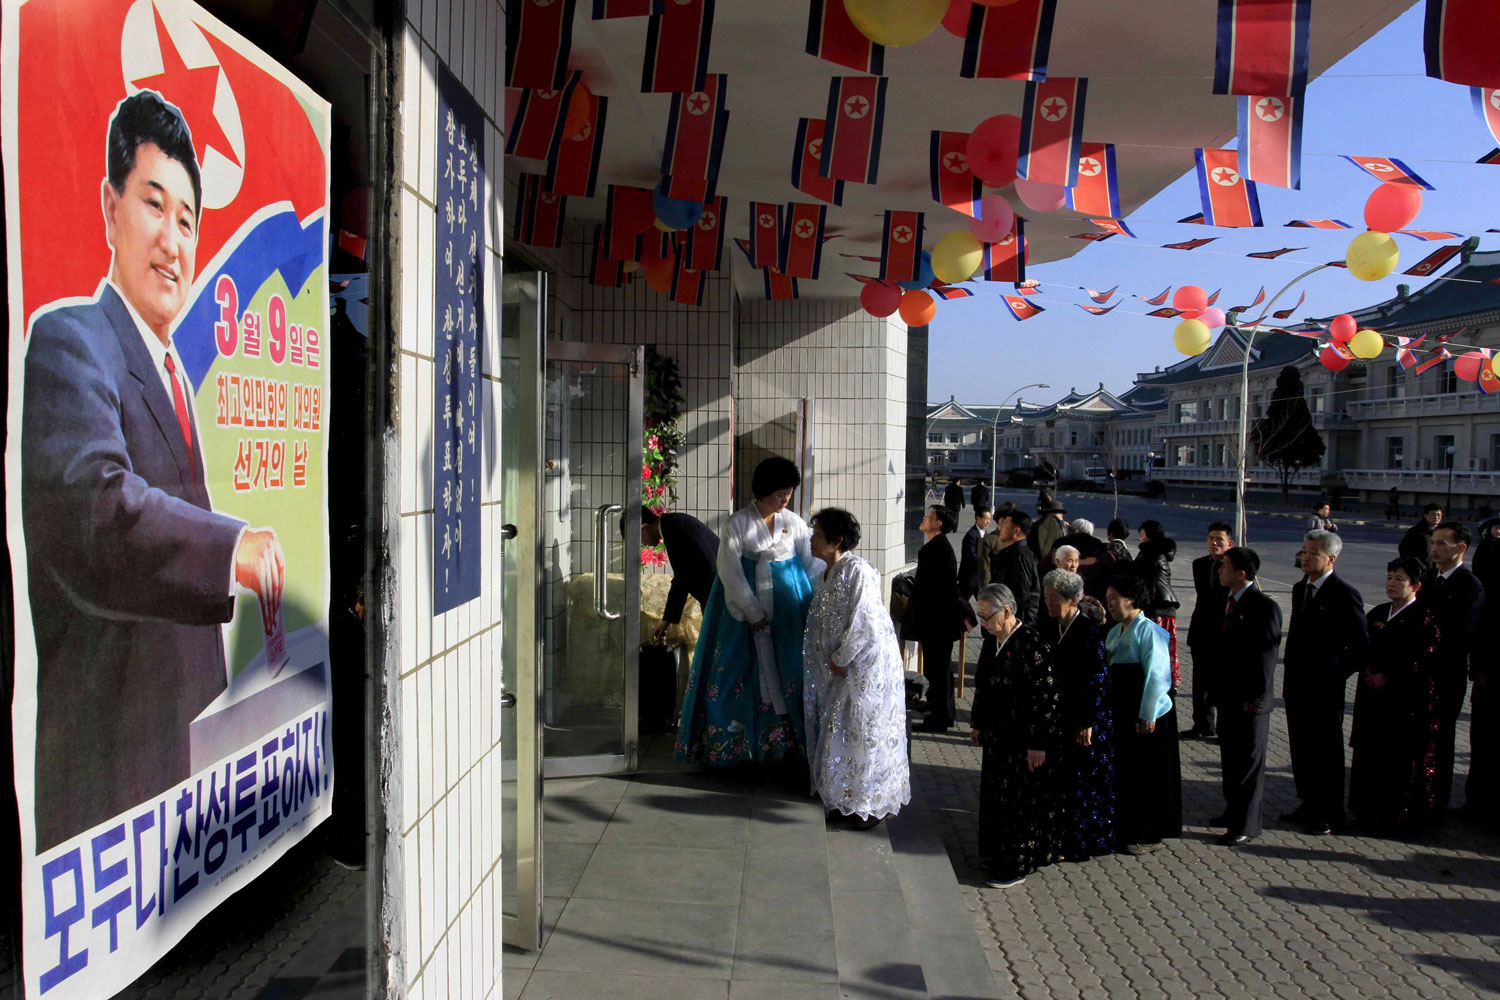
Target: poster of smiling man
166	215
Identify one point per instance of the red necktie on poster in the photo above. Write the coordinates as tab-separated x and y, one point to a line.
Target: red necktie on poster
179	403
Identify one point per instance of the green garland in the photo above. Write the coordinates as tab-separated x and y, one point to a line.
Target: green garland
663	437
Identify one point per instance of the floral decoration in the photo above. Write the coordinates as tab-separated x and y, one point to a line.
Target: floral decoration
662	413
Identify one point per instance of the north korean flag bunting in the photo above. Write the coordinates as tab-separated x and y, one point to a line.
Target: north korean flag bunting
1115	227
695	140
1270	140
621	242
1273	254
1228	198
538	38
901	246
1009	42
1093	237
1020	308
1196	219
1287	313
1262	47
765	234
950	292
1391	171
1166	312
779	287
806	158
1429	235
576	169
1406	354
1006	260
536	130
1190	244
688	285
1318	224
538	217
1493	156
1215	296
1101	297
1156	300
953	183
1260	297
1097	191
627	8
603	270
1030	286
1434	260
704	248
1439	355
677	44
1460	41
1099	310
832	35
851	140
1052	131
802	239
1487	105
1488	381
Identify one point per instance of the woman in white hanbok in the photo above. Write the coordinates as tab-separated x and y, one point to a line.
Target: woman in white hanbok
854	689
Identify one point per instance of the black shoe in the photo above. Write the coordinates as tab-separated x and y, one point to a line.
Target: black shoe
1232	839
1318	828
1220	820
865	824
1196	734
931	725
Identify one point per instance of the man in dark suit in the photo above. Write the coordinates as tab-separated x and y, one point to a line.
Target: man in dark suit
1457	599
1417	542
1004	557
1205	627
693	551
131	571
953	497
1325	644
938	618
979	496
968	563
1243	688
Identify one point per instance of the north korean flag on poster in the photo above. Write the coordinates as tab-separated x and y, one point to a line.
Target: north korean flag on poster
1434	260
901	246
538	38
604	271
704	250
953	183
1005	260
627	8
1052	131
695	140
621	242
765	234
805	160
1271	140
1010	41
779	286
1097	191
537	129
1262	47
576	169
1460	40
677	43
1020	308
851	140
1228	198
802	239
1487	104
688	285
1391	171
831	35
538	217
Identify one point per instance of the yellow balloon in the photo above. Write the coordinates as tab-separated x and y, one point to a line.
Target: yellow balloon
1495	365
956	257
1192	337
896	22
1367	344
664	227
1372	256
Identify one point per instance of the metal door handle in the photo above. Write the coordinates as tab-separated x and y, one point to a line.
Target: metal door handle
508	531
601	562
507	700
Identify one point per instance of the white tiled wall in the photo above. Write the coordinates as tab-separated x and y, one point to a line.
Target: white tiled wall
442	877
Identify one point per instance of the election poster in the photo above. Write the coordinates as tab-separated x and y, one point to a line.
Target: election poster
166	211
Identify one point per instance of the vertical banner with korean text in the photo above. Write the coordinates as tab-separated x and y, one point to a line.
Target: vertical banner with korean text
458	425
166	212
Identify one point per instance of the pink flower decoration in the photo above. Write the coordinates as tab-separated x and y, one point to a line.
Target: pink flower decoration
645	472
653	442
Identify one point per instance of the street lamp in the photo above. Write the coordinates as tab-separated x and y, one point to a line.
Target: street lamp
1150	464
1451	451
995	432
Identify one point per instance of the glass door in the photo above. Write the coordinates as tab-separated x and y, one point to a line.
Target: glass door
523	303
590	509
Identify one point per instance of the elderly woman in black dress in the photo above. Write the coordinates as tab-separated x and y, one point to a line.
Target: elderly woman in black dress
1086	761
1015	720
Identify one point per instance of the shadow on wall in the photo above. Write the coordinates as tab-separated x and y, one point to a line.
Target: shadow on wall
766	327
776	438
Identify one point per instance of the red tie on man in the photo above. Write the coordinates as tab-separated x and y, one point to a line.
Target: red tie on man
1228	610
179	402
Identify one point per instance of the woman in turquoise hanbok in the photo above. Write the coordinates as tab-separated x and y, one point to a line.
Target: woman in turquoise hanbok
744	694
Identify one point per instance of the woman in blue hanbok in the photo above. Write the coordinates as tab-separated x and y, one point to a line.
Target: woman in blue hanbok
744	694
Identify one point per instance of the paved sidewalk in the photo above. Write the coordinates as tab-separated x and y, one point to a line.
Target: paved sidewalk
1291	916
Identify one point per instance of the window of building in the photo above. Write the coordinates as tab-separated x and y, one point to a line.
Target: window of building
1072	437
1316	401
1447	381
1495	451
1392	376
1186	455
1395	452
1443	454
953	439
1187	413
1224	456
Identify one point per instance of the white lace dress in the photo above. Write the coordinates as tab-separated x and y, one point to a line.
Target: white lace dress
856	724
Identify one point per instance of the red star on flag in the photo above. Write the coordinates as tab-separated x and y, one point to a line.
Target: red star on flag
856	107
1226	177
1054	109
697	103
193	91
956	162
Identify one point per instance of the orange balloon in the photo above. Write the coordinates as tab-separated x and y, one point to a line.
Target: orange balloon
580	106
658	273
917	308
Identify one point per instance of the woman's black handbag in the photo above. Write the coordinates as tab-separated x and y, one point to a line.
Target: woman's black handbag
657	696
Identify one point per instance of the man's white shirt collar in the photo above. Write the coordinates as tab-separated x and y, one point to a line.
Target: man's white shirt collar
1316	584
1236	594
1449	572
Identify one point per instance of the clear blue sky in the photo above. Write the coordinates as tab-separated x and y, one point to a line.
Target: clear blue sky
1375	102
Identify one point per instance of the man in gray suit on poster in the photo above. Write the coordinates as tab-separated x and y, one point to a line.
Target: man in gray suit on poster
131	573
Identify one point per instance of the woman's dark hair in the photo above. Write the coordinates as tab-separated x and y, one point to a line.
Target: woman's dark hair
840	527
1131	587
1118	528
144	117
1322	503
1410	565
947	520
1153	529
772	474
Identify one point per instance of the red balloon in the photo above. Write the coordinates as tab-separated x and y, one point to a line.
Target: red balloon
1392	207
1333	360
957	18
1343	328
1190	299
993	148
1466	366
658	272
634	209
580	106
880	300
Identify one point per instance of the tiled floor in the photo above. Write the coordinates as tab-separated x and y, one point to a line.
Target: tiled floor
686	885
